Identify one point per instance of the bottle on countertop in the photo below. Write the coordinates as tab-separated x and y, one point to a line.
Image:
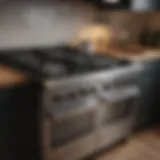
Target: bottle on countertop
145	37
156	39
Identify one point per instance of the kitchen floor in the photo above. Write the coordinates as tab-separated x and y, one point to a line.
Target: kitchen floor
142	146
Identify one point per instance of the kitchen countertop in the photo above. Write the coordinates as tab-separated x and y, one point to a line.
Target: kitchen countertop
9	77
134	53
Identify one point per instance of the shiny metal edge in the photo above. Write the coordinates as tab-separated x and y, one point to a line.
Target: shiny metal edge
108	74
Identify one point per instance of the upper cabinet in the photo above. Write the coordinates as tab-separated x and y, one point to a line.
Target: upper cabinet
111	4
132	5
145	5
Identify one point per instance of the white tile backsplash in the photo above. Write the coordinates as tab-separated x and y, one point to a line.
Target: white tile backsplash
40	24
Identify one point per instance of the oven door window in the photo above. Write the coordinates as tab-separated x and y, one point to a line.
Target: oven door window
117	111
69	129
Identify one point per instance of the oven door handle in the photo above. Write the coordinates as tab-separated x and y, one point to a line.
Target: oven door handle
119	95
58	115
66	115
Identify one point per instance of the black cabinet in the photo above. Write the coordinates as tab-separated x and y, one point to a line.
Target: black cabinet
148	113
133	5
19	122
111	4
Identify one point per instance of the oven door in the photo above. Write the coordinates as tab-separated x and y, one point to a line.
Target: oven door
114	112
119	103
72	126
117	117
70	120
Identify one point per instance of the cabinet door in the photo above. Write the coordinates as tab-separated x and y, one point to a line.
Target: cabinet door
116	112
112	4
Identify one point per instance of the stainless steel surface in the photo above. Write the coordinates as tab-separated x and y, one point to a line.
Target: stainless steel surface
88	112
92	142
88	89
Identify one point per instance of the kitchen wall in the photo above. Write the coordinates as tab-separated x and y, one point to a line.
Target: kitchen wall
48	22
41	22
133	22
154	21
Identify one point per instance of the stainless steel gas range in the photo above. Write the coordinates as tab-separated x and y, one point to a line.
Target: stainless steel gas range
92	105
96	103
85	113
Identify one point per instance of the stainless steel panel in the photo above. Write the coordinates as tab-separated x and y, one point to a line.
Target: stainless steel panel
68	130
92	142
117	111
87	90
106	76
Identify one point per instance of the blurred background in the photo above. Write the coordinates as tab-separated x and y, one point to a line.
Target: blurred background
79	79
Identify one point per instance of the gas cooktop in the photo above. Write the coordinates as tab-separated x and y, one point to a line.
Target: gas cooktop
62	61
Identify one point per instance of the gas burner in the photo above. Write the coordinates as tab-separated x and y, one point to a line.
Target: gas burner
62	61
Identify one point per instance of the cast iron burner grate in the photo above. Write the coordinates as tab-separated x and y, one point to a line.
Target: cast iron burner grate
62	61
